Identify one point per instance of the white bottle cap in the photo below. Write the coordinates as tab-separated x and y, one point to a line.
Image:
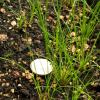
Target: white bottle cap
41	66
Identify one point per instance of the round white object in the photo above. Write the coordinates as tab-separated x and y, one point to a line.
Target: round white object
41	66
13	23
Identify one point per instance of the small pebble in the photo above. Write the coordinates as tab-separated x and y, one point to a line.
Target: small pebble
94	57
8	1
37	41
6	73
7	84
95	84
14	99
78	50
9	15
9	70
67	16
4	21
7	21
29	76
2	10
23	74
69	20
19	85
61	17
20	59
97	73
30	53
44	8
13	62
6	95
73	34
80	14
86	47
2	75
49	18
70	83
3	80
3	37
16	74
25	92
29	40
73	49
13	23
1	93
30	80
98	96
27	72
3	84
12	90
24	62
84	97
87	63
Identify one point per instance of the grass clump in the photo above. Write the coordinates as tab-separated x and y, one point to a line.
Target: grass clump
71	55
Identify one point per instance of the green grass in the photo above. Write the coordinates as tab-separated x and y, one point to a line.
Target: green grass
71	71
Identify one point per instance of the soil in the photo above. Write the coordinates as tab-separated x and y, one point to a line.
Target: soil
15	82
